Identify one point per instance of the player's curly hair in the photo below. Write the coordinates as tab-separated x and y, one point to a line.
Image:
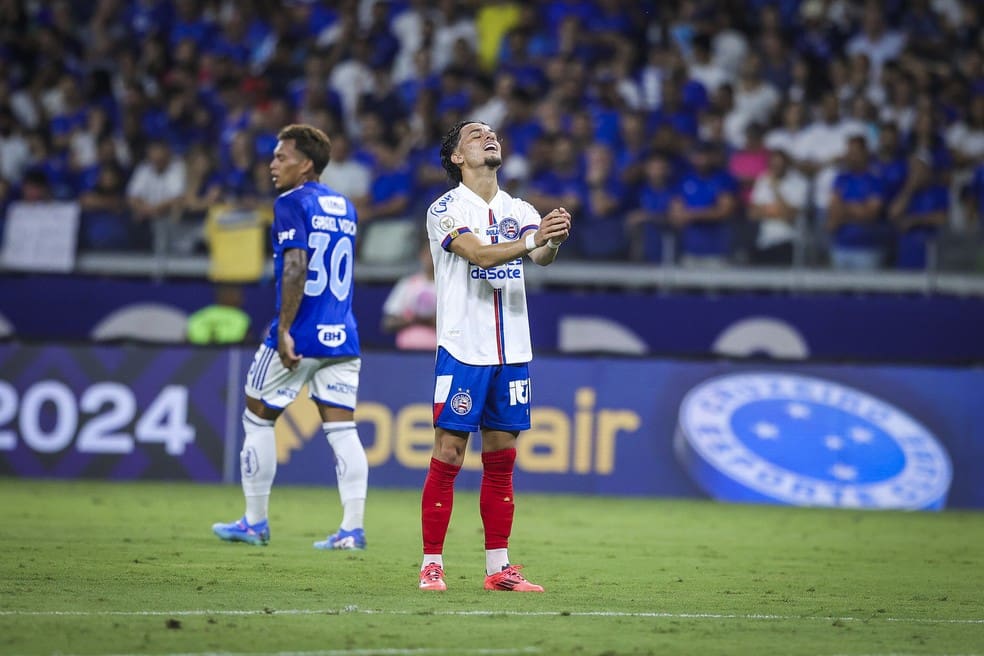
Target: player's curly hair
311	141
448	145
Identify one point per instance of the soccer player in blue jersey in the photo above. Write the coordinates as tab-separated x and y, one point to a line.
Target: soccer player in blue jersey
312	340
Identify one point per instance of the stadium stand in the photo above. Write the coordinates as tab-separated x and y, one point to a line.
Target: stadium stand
584	94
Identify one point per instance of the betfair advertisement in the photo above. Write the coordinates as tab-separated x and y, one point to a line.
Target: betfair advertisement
833	435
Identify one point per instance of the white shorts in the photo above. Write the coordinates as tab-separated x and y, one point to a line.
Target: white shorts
331	381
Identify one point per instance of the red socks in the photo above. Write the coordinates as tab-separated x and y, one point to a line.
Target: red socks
436	503
496	497
495	500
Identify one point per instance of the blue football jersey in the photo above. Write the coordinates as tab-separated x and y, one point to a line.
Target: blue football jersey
322	222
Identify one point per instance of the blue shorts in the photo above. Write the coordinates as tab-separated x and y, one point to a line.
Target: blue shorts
468	397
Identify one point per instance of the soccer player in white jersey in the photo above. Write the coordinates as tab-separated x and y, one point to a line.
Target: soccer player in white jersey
479	236
312	340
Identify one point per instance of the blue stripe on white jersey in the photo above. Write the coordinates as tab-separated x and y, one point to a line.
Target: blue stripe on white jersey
321	221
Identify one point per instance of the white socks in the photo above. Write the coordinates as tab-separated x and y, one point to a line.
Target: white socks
432	558
258	465
351	469
495	560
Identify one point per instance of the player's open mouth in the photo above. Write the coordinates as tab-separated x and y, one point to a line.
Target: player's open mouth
492	146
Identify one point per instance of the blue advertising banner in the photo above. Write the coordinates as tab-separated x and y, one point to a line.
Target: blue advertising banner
869	327
114	412
807	434
859	436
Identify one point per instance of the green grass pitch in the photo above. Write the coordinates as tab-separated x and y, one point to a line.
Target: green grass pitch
104	568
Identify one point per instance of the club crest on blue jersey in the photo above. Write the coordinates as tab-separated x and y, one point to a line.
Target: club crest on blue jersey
461	403
806	441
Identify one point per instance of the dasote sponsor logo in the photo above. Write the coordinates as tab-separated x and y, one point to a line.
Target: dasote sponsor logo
333	205
807	441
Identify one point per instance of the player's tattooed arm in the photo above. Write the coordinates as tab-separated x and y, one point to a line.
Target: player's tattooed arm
291	292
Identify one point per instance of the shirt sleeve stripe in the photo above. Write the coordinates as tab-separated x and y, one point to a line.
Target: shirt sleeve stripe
451	236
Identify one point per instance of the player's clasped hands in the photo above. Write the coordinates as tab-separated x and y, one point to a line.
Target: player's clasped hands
556	225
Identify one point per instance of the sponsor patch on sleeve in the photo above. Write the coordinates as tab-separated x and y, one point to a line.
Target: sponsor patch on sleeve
333	205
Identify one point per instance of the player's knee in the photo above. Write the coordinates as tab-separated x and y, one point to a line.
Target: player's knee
450	451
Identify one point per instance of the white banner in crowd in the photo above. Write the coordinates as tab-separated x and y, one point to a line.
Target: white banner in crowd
40	236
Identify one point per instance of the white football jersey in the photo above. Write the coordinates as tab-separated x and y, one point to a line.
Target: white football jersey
481	313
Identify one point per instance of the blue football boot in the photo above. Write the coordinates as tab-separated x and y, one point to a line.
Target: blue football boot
346	540
241	531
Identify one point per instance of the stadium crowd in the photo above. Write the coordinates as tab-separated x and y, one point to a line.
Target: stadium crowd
761	131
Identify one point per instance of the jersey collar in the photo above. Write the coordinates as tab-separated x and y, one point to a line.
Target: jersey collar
475	199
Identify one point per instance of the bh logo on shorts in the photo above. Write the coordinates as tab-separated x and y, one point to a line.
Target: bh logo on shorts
461	403
798	440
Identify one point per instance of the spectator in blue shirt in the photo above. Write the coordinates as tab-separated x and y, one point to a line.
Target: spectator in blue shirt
672	110
379	33
649	220
890	163
191	23
103	221
521	127
919	211
561	184
856	212
974	196
632	151
232	41
703	207
389	191
236	175
601	231
384	99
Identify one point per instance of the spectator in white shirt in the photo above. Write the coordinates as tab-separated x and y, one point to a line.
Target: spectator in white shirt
965	137
900	105
789	135
346	175
703	68
454	23
777	204
15	152
157	185
825	142
754	99
875	40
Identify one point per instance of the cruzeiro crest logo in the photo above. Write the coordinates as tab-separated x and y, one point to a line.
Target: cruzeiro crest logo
806	441
508	228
